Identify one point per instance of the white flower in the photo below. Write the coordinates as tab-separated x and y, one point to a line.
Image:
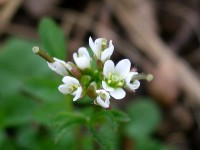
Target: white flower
71	86
59	66
82	59
101	52
132	85
115	77
103	98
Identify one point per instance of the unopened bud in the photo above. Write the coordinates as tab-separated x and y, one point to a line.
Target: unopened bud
99	64
74	70
92	90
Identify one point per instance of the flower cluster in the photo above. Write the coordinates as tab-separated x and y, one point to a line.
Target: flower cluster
95	74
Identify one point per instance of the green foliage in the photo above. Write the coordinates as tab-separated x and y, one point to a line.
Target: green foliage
28	99
145	117
147	143
30	104
17	63
34	115
52	38
120	116
16	110
64	121
103	127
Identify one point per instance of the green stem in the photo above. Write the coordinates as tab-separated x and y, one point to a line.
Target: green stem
42	54
142	76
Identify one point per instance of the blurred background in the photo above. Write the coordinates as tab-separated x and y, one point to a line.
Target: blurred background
158	36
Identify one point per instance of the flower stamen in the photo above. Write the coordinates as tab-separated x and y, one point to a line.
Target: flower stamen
103	44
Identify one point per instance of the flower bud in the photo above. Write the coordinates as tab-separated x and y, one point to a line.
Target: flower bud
92	90
74	70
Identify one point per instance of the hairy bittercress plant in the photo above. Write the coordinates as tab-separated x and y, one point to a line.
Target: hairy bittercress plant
100	81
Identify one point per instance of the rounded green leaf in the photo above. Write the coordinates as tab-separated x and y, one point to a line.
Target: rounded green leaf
145	117
52	38
120	116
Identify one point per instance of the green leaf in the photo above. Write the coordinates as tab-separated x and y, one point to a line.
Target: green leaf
87	142
44	88
65	121
146	143
16	110
26	85
120	116
39	137
17	63
145	117
52	38
103	128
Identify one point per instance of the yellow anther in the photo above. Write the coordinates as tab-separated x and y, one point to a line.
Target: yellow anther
109	81
109	75
120	83
115	78
103	96
76	86
104	44
70	89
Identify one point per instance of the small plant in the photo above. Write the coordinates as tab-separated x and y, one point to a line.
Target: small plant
43	118
95	76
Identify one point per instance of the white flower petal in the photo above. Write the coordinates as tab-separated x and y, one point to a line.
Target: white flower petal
58	68
104	92
63	89
81	62
107	53
75	57
67	66
77	93
98	45
59	60
99	101
91	43
123	68
83	51
129	76
108	68
104	104
70	80
95	46
82	59
118	93
106	86
111	45
133	86
101	90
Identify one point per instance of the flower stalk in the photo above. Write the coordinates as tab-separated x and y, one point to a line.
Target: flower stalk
42	54
142	76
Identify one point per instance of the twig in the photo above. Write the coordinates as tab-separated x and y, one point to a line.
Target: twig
189	26
21	30
149	42
8	12
194	57
122	45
